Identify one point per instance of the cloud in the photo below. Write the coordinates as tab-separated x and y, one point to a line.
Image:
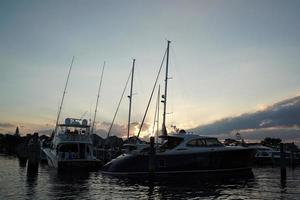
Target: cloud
119	130
7	125
281	117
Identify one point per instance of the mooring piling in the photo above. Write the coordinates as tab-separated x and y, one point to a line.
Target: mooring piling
152	156
282	162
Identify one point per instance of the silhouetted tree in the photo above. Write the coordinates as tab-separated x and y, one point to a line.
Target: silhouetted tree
17	133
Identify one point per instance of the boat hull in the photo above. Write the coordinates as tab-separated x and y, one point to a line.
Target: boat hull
79	164
75	164
203	162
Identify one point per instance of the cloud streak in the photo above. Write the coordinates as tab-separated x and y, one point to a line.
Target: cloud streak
6	125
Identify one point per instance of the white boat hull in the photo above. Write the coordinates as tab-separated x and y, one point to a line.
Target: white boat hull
54	162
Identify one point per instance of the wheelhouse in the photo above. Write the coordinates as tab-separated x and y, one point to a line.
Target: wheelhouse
73	151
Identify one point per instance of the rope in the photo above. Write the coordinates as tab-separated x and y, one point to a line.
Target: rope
112	123
161	65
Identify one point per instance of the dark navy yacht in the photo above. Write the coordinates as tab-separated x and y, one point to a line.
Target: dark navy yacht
183	153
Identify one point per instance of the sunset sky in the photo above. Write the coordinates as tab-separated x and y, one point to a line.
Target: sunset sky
227	58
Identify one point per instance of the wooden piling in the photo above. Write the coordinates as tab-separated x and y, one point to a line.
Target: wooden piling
282	162
152	156
34	148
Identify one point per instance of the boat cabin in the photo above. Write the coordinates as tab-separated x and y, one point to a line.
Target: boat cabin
188	141
72	140
72	151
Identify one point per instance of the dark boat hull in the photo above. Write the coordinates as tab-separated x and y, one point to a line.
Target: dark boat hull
205	162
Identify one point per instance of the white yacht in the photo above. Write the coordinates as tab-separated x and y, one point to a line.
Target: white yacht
72	146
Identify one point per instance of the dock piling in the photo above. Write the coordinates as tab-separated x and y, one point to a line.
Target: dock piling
282	162
152	156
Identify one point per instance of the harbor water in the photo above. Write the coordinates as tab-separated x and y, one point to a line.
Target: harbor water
16	182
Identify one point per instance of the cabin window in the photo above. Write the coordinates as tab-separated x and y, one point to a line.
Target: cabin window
193	143
213	142
201	143
196	143
68	151
171	143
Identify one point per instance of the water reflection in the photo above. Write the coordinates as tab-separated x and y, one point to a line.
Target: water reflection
31	180
187	186
18	182
68	184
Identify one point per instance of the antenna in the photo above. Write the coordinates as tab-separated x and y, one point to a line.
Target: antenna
96	108
63	97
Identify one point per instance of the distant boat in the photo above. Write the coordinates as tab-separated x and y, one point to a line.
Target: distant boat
181	153
271	156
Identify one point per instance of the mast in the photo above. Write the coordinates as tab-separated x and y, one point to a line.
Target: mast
157	125
130	97
63	97
164	96
100	84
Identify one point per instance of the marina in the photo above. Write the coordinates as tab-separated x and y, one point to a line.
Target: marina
149	100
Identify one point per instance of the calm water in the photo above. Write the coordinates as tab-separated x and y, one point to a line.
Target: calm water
264	183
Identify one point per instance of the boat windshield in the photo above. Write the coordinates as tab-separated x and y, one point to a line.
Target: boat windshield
171	143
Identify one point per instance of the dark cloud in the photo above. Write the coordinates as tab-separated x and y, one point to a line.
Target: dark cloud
285	133
285	113
261	123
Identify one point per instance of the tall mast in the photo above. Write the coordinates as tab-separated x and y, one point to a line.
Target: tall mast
157	116
100	84
130	97
164	130
157	128
63	97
